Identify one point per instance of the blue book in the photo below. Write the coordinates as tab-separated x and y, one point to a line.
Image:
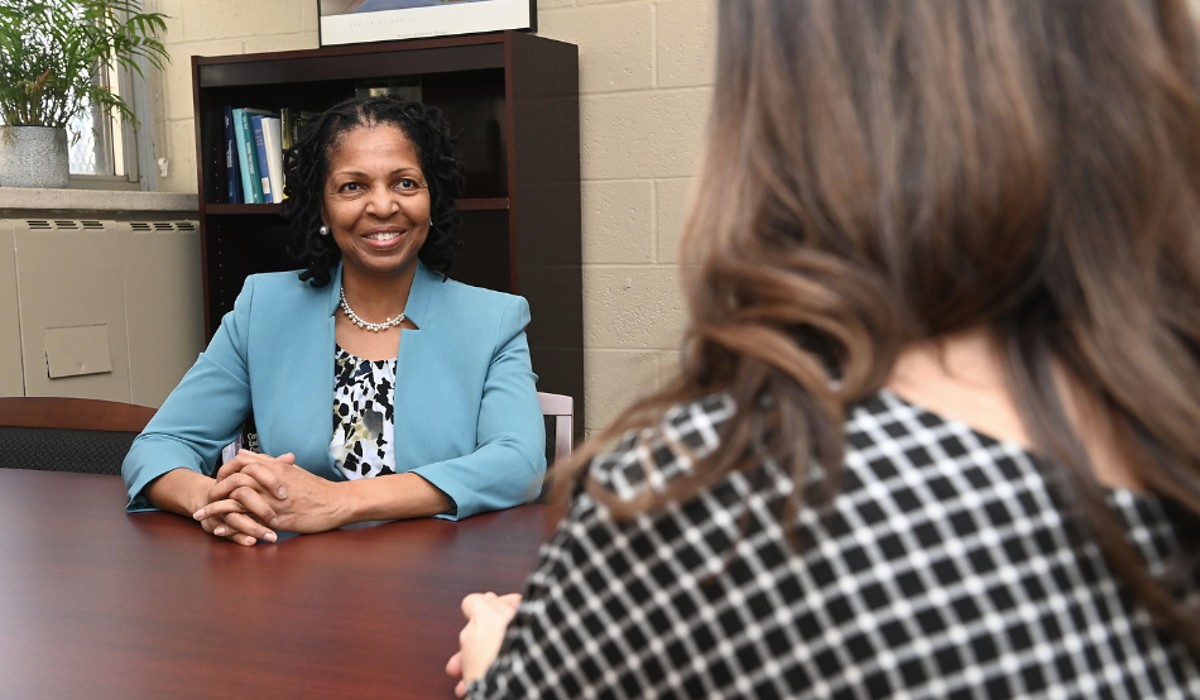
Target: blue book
248	153
233	172
260	150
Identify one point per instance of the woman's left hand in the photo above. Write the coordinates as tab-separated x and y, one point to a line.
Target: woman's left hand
479	641
302	501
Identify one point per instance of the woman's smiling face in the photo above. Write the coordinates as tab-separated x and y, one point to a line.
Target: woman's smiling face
376	201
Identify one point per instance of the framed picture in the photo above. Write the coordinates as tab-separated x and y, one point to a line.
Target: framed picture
358	21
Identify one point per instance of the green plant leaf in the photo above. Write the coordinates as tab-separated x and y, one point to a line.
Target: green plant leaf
51	51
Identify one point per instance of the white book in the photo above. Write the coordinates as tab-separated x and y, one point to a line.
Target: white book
273	143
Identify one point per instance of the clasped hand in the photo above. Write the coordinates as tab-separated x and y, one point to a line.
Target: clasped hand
255	494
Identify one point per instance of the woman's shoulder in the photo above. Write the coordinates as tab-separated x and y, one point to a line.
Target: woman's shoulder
273	298
470	307
273	285
452	288
654	457
288	280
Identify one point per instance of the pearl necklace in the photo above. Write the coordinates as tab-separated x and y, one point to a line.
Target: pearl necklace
356	320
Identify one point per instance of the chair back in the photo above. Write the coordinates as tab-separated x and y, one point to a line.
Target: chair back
559	412
68	434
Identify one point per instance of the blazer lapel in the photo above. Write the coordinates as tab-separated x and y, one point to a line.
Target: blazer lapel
302	407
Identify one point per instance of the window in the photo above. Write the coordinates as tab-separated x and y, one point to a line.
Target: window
106	150
73	63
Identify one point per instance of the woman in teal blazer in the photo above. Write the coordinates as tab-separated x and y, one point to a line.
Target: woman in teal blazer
466	411
468	430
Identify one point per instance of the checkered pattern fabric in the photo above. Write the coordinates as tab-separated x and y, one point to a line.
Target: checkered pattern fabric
944	571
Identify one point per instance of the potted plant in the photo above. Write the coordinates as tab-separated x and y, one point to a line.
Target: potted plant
50	54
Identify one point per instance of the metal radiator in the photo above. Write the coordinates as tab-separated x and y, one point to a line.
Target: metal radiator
98	308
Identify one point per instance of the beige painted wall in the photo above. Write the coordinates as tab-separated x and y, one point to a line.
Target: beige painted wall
645	81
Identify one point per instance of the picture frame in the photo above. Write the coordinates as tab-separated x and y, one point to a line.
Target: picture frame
361	21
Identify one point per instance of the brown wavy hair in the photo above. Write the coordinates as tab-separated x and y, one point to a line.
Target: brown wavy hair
880	173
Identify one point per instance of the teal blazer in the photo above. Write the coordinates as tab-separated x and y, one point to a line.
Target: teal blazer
467	417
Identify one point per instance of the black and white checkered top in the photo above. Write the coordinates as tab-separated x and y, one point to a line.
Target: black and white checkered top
944	571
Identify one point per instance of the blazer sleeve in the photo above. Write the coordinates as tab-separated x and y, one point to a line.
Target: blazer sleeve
202	414
509	460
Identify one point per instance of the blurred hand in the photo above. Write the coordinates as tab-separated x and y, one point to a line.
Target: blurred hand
479	641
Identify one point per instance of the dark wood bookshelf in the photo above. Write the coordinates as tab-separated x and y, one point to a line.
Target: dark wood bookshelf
512	99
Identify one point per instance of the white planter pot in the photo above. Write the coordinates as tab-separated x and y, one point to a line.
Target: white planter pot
33	156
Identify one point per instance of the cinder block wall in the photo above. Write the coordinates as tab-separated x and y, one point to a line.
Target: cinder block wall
645	81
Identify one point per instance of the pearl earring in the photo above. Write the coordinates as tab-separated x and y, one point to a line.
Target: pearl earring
324	231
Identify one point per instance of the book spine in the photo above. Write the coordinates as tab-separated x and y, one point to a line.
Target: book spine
285	127
233	174
260	152
245	146
272	132
251	187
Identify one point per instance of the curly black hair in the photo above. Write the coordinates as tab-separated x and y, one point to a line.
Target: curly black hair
306	165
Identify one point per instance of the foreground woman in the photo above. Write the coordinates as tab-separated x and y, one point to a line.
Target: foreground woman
935	433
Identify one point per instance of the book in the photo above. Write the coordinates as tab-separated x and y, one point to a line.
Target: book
287	127
233	172
291	123
260	153
409	88
273	147
248	153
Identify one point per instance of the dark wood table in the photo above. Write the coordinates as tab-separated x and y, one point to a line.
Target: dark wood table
96	603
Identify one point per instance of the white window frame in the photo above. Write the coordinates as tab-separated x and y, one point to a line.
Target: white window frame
133	148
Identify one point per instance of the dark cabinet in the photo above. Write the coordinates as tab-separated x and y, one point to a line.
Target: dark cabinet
512	99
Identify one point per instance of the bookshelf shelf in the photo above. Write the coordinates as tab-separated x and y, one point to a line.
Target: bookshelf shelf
219	209
512	99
